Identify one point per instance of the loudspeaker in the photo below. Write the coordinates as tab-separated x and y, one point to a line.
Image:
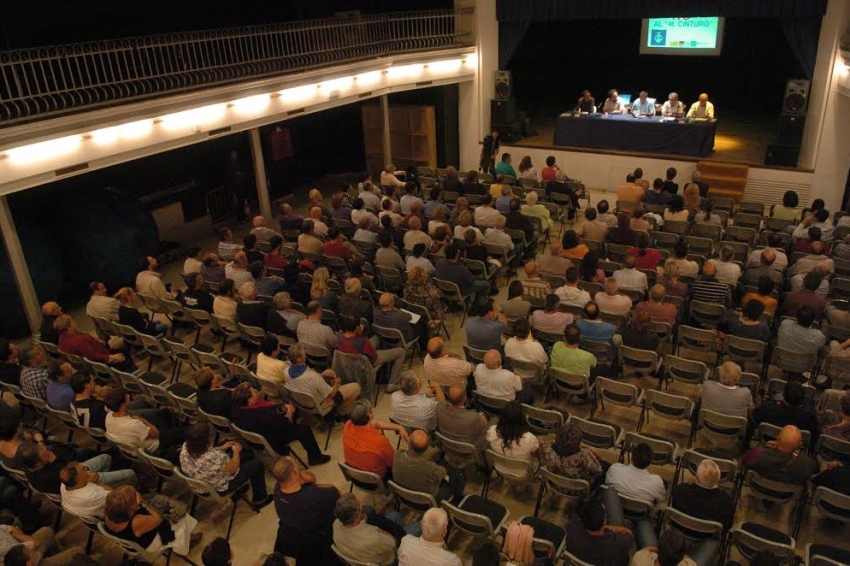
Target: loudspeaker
791	129
508	133
502	89
796	98
782	155
503	111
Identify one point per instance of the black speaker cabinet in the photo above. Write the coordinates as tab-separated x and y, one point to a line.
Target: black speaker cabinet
508	133
503	111
782	155
791	129
502	87
796	98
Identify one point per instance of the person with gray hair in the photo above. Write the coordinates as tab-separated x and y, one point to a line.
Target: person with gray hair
413	408
364	535
250	311
282	318
352	304
326	391
532	208
364	446
497	235
704	499
728	271
725	395
427	550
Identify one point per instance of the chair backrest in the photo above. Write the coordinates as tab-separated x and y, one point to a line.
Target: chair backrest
771	490
226	325
743	349
710	231
528	370
684	370
570	383
570	560
832	448
355	368
473	355
634	358
222	424
460	452
832	503
451	292
602	350
597	434
696	339
721	425
130	548
707	314
256	440
475	524
543	421
691	459
664	452
669	406
367	481
129	334
201	488
793	362
693	528
618	392
253	334
568	488
416	500
815	559
349	561
749	544
510	463
489	405
161	466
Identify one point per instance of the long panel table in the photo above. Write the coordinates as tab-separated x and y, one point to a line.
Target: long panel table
624	132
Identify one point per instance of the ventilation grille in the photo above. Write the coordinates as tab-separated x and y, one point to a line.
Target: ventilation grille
770	192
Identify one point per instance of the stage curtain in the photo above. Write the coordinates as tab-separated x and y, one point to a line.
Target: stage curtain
510	36
802	35
544	10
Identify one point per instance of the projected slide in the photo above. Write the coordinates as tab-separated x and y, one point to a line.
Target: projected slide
681	36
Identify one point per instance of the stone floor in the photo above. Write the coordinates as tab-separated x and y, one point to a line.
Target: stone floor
253	534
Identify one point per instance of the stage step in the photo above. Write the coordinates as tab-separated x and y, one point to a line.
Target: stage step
727	180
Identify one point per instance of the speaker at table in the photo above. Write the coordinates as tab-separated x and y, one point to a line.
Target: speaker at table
502	87
796	99
503	111
782	155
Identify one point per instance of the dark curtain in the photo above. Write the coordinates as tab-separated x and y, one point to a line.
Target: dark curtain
543	10
510	36
802	35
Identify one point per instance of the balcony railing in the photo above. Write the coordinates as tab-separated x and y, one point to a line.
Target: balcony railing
45	82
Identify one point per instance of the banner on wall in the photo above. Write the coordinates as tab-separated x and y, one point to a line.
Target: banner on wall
280	142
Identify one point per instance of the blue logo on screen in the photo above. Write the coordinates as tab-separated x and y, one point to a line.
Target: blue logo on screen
658	38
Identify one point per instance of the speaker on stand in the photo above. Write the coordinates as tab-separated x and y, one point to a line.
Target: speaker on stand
503	113
786	151
502	87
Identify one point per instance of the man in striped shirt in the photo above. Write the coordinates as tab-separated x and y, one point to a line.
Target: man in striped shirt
533	285
708	289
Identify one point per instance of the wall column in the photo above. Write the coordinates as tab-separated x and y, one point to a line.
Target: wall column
18	262
474	96
260	177
385	131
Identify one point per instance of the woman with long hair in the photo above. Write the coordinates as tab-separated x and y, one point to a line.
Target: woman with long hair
511	437
706	217
676	210
589	270
526	169
321	291
572	249
647	258
622	234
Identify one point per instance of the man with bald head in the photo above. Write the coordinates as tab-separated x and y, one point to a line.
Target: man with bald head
444	368
816	258
458	423
702	109
708	289
611	301
263	233
238	270
533	285
50	311
765	267
659	311
413	470
494	381
783	459
388	316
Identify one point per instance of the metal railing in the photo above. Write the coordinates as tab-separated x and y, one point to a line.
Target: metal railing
43	82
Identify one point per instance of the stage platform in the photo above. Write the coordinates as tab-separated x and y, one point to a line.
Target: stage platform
740	138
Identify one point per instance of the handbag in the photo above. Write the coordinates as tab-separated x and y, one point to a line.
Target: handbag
172	510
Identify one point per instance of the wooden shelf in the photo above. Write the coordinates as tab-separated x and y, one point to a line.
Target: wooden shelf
413	136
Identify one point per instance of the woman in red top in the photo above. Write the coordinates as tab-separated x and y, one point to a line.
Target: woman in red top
274	259
646	257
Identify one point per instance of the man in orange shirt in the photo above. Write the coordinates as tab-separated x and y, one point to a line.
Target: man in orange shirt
628	192
363	445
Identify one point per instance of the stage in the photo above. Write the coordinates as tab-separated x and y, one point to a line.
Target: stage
740	138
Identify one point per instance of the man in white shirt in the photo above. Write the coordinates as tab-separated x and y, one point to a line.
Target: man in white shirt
486	215
497	236
819	219
138	431
673	107
412	408
493	381
359	211
611	301
81	490
149	281
727	271
269	367
523	347
702	109
630	278
570	294
237	270
427	550
633	480
100	304
612	104
388	177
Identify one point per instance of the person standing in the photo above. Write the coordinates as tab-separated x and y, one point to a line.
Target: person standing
237	181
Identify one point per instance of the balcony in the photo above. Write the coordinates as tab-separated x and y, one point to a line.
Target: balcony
53	81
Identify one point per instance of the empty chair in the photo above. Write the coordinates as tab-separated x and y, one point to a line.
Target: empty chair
777	492
711	231
707	315
683	370
825	555
667	406
419	501
599	434
618	393
832	448
361	479
697	339
542	421
793	362
574	491
490	406
721	426
512	470
831	503
452	295
640	361
477	516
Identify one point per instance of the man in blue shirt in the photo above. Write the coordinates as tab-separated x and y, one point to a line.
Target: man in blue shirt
504	167
594	329
59	392
643	106
484	332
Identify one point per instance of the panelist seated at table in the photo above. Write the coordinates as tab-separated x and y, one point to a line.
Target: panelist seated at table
673	107
586	103
613	104
702	109
643	106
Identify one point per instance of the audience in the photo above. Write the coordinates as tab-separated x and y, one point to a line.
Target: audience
493	381
511	437
566	456
412	408
428	548
364	445
412	470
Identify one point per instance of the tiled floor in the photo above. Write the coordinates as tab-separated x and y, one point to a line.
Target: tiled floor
253	534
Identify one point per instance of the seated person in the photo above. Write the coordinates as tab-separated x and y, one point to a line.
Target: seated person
792	408
72	341
484	331
250	311
566	457
352	342
510	436
84	488
784	460
352	302
43	468
594	328
364	535
523	347
637	334
212	395
271	365
130	315
137	431
412	470
494	381
672	548
38	549
749	325
569	357
724	395
411	407
634	480
35	377
702	498
222	466
128	517
592	539
196	296
59	393
550	319
456	422
283	319
364	446
327	392
428	548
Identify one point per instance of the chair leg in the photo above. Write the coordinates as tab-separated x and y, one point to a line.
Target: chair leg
328	438
89	542
232	516
150	363
57	521
295	455
539	498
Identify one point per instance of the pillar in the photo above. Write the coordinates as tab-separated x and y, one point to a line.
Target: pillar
388	149
260	176
18	262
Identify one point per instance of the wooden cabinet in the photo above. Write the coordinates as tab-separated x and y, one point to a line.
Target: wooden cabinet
413	137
